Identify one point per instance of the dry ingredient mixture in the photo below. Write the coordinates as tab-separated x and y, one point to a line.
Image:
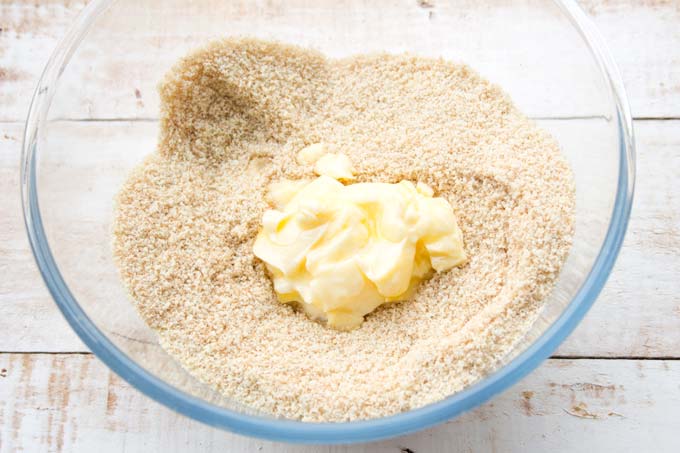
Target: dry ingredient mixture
234	114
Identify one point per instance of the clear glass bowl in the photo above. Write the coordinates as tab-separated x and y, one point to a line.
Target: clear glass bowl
93	117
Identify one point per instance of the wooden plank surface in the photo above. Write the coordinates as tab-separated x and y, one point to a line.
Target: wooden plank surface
638	312
27	313
73	402
643	36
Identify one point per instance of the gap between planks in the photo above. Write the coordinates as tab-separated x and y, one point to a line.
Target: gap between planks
553	357
152	120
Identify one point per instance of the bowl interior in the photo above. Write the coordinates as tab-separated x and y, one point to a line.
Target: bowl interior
102	121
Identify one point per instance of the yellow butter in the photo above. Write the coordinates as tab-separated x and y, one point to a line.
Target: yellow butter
337	166
310	154
340	251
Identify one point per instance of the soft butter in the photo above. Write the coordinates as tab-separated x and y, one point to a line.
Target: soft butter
340	251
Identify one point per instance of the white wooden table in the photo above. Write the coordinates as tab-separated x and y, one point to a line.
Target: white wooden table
613	386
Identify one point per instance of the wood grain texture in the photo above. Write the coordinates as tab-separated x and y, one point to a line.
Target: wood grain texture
644	39
638	312
29	31
28	316
74	403
643	36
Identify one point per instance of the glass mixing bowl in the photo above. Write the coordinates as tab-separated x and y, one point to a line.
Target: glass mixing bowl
93	118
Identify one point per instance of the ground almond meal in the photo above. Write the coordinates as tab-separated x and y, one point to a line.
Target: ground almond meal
234	115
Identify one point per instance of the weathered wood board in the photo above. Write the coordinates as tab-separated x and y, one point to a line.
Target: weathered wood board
73	402
643	36
66	401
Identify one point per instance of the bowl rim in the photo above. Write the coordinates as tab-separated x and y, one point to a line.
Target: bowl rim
328	433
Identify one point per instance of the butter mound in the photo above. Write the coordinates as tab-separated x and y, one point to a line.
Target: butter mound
340	251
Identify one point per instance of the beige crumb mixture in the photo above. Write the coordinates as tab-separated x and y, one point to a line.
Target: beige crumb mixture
234	115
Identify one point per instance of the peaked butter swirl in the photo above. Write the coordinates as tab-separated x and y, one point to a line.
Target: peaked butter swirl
340	250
